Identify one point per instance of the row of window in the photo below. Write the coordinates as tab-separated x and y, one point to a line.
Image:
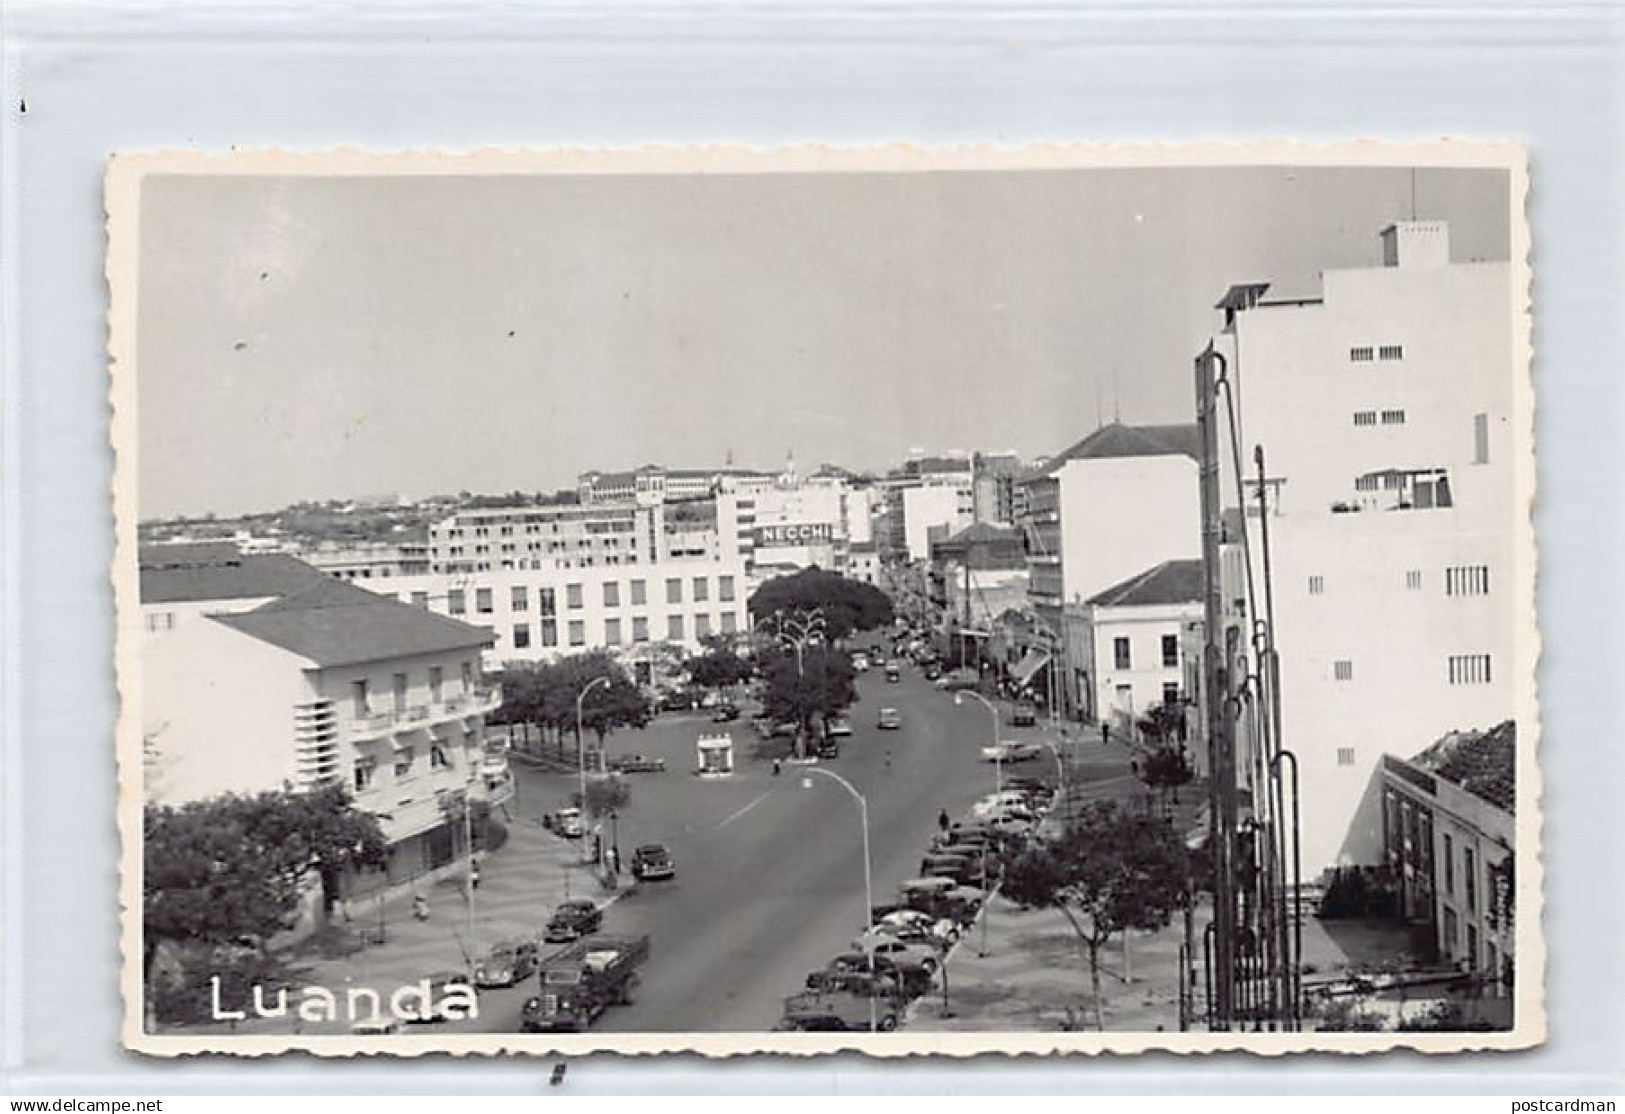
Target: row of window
400	686
1459	580
1371	417
575	595
1463	669
405	765
615	632
622	525
1123	652
1364	354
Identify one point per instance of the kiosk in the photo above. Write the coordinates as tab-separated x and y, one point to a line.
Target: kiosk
715	754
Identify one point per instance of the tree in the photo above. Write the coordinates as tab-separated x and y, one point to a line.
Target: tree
1165	768
720	666
609	706
818	683
604	795
846	605
234	867
1111	871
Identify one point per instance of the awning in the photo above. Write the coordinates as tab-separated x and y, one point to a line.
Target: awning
1030	665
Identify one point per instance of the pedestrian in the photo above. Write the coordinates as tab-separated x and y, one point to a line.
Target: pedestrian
474	874
943	823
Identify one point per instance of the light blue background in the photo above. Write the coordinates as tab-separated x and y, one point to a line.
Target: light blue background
100	77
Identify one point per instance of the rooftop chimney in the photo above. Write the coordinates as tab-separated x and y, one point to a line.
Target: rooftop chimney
1416	243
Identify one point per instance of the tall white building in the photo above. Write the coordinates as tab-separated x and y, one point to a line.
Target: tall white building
1384	407
938	508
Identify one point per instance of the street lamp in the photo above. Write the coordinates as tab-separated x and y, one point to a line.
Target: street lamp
581	746
998	759
868	883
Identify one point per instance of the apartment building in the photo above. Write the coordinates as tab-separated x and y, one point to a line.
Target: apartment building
1118	502
1384	408
653	483
365	560
303	680
1137	651
559	535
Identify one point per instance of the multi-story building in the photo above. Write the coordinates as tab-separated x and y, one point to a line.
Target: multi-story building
1449	833
655	484
556	535
1137	648
994	481
1384	408
286	678
934	510
365	560
1118	502
794	523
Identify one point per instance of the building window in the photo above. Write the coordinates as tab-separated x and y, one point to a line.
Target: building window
1481	438
612	632
674	589
1467	580
572	596
1121	655
1450	932
674	627
1393	417
546	603
1413	579
1345	756
1449	866
1317	585
482	601
612	593
1170	651
468	676
1369	482
358	698
578	632
1472	948
550	632
366	769
399	682
1469	882
404	760
420	599
1360	355
1469	669
725	589
702	626
1170	692
521	636
730	624
640	629
1343	670
640	593
437	682
456	602
161	621
437	757
1365	417
521	598
1391	352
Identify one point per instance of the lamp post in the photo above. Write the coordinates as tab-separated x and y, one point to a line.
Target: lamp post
581	747
868	883
998	760
793	632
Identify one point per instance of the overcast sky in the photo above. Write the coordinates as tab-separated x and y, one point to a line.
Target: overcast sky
313	338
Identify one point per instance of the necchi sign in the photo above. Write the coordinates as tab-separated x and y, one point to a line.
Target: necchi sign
794	533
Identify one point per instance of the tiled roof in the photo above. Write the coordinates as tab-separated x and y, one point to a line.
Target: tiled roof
1482	762
218	571
1169	582
1117	441
979	532
335	623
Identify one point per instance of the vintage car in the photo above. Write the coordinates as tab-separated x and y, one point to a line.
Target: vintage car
890	719
838	727
1023	716
652	862
637	764
507	963
566	822
572	920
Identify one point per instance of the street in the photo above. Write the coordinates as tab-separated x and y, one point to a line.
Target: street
769	881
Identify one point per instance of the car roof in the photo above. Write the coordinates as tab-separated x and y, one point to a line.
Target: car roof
652	847
576	903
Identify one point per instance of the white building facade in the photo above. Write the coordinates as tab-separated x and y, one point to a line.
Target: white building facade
1384	409
1137	646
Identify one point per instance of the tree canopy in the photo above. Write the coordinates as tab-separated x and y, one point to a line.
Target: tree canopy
846	605
546	694
819	685
720	665
1111	871
233	867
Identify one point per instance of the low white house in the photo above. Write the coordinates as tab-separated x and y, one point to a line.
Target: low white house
1134	649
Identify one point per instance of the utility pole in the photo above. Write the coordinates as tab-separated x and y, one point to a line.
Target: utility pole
1221	742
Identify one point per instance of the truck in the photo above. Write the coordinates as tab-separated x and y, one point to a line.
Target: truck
581	982
844	1001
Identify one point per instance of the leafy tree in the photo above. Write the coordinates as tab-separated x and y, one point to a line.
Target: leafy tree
820	683
846	605
608	707
1111	871
234	867
1165	768
604	795
720	666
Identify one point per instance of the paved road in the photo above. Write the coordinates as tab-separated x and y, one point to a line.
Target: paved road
769	869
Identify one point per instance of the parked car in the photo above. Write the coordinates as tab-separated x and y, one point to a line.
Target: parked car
572	920
890	719
827	747
652	862
894	672
902	955
507	963
725	713
860	662
637	764
1023	716
932	672
566	822
1023	752
838	727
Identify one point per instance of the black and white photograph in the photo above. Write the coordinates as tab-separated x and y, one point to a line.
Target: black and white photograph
901	600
